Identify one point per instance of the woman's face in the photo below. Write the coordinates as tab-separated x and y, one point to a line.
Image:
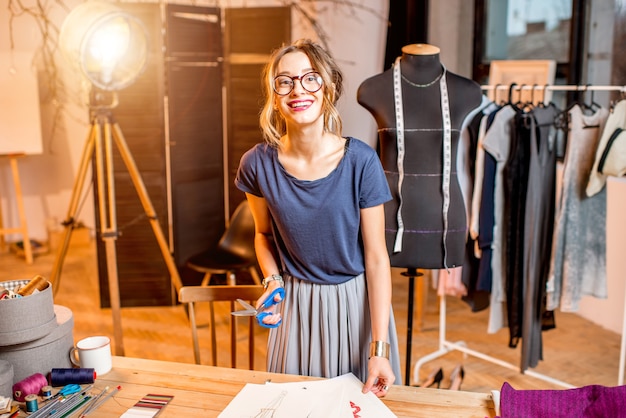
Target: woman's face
301	106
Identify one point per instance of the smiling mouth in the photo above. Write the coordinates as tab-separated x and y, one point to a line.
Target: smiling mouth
300	105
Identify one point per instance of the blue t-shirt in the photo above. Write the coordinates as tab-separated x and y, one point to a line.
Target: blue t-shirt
316	224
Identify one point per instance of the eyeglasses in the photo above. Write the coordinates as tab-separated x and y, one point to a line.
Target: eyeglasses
284	84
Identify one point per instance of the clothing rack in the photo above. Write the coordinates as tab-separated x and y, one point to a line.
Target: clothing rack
446	346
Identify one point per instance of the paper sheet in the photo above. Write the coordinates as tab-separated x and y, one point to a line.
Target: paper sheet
339	397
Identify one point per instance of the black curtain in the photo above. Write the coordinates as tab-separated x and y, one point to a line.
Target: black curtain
408	24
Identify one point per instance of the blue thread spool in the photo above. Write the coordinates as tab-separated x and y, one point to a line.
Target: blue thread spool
31	403
81	376
46	392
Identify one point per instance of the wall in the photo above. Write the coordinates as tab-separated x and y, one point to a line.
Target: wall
450	27
358	44
48	178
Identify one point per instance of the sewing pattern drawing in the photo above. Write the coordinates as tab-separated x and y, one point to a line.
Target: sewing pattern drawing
272	407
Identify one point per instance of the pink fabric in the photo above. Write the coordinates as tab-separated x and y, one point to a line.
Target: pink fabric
450	282
585	402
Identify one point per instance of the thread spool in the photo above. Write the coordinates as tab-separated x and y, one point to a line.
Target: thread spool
30	386
80	376
46	392
31	403
36	283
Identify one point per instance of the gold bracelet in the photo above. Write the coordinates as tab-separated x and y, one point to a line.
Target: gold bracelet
379	349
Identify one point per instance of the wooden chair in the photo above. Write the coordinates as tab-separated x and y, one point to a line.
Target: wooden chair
193	294
233	253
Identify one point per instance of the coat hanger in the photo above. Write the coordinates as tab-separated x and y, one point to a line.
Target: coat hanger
528	104
532	95
592	106
496	88
542	102
518	104
579	94
549	103
622	96
511	87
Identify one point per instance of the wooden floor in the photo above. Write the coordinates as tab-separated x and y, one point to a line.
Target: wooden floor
576	352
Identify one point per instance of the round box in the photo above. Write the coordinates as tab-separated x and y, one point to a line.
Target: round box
44	354
27	318
6	379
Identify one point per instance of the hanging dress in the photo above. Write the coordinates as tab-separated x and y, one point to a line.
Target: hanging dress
497	144
515	180
578	265
538	229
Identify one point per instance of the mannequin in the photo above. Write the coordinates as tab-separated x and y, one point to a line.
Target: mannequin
433	238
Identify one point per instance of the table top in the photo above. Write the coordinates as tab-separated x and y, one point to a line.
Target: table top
204	391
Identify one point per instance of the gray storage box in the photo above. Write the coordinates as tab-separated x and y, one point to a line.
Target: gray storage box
28	318
6	379
44	354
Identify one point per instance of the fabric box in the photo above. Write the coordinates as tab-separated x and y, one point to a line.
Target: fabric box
44	354
28	318
6	379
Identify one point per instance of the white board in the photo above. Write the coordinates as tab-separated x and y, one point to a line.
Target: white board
20	119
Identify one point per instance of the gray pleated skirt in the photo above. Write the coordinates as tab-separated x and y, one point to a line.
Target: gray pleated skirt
326	331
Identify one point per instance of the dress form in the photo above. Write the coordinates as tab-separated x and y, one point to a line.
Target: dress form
421	194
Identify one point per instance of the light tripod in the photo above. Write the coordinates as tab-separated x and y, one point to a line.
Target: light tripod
99	149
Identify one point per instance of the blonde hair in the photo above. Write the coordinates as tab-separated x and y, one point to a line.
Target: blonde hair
271	121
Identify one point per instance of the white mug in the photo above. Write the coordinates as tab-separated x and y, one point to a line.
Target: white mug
93	353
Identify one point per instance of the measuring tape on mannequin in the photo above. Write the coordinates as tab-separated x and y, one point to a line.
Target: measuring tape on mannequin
447	153
397	99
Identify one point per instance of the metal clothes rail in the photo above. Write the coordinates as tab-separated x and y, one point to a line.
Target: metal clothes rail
446	346
552	87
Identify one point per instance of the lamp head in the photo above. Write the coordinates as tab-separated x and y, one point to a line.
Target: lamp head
109	46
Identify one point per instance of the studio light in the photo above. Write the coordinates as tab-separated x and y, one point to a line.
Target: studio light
108	45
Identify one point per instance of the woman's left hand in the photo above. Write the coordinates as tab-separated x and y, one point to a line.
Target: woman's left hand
380	376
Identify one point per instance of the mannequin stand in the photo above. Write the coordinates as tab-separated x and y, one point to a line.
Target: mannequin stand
411	273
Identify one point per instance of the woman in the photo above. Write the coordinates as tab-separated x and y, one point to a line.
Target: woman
317	201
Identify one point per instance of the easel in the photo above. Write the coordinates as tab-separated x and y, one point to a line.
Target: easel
99	145
22	229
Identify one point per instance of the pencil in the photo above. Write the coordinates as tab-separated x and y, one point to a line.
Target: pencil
69	405
69	412
102	401
55	402
94	401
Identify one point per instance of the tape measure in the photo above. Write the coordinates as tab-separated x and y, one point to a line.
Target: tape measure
447	162
397	99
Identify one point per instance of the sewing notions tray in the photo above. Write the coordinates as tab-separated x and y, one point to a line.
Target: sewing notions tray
26	318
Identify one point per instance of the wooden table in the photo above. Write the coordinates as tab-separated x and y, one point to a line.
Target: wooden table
204	391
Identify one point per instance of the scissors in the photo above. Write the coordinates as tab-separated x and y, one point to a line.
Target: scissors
252	311
68	390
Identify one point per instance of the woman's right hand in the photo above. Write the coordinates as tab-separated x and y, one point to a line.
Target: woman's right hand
274	317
